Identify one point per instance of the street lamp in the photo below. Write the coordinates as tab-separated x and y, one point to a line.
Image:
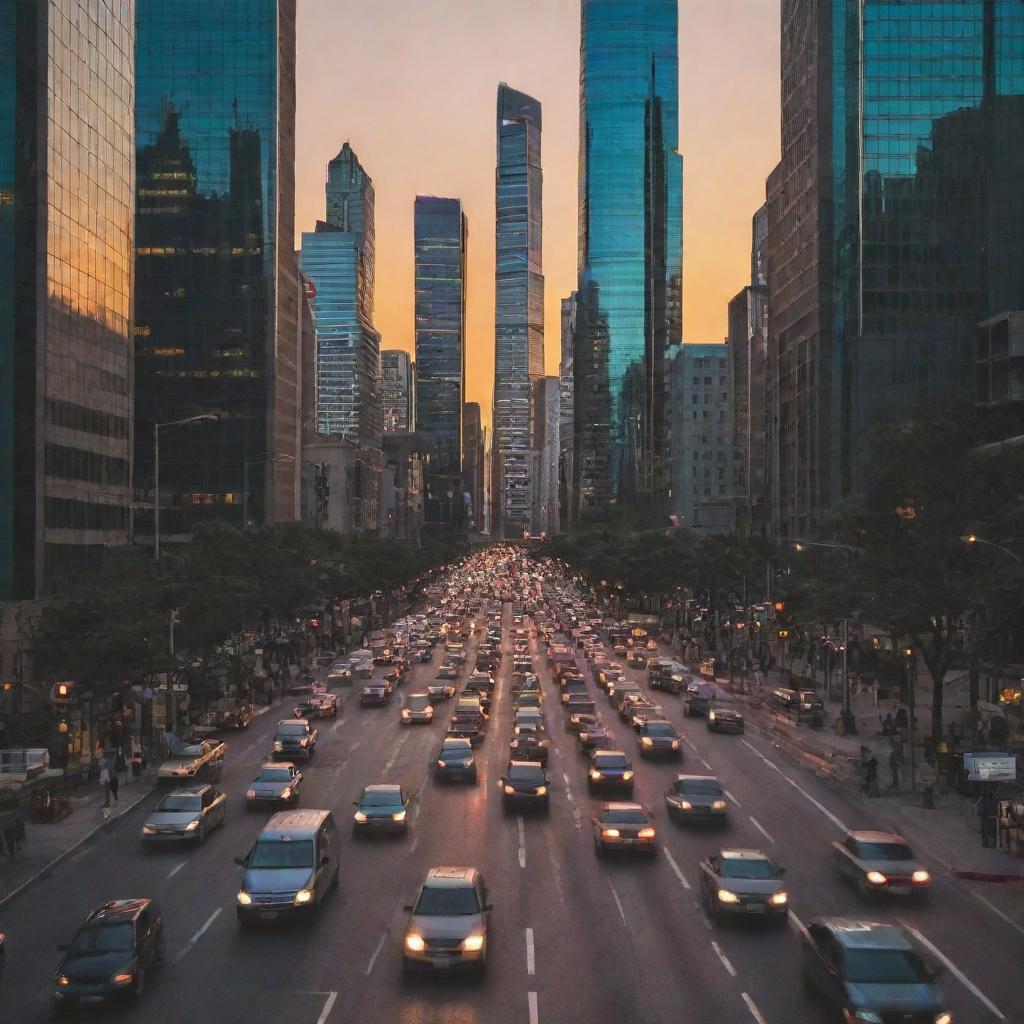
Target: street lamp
208	417
254	461
973	538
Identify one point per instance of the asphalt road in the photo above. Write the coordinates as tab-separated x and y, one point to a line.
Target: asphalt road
574	939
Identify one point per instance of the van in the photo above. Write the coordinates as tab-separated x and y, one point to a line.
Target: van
290	868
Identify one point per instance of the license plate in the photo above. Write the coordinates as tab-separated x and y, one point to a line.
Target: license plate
90	999
900	890
441	961
269	915
629	842
756	908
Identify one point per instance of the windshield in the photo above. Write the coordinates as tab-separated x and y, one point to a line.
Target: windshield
274	775
104	938
381	799
611	761
454	753
709	788
292	730
885	967
885	851
281	853
179	803
660	729
735	868
447	901
520	773
417	702
625	818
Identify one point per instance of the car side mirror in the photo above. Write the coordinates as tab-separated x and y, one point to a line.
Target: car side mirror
408	908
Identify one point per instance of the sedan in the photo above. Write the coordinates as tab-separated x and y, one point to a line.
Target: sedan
660	739
524	785
879	862
441	690
418	708
455	761
449	670
743	882
696	798
610	769
189	813
529	744
578	721
278	783
624	827
595	736
381	808
723	717
375	695
447	926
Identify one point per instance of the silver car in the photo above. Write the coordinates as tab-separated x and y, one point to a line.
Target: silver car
743	882
880	862
189	813
696	798
418	708
278	783
447	928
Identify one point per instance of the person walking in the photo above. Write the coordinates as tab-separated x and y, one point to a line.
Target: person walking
895	761
114	783
120	767
105	783
871	776
988	809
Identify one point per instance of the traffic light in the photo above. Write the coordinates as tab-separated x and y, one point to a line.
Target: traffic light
63	692
783	633
780	606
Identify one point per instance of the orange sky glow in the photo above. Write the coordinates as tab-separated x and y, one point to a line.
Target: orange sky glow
412	83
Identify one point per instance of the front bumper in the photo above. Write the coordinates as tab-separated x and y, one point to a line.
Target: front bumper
446	958
698	813
616	784
383	825
753	906
663	751
272	913
83	993
527	801
628	844
177	836
298	754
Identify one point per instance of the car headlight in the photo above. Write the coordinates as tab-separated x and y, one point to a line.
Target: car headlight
124	978
440	764
647	741
711	716
286	793
359	816
303	896
473	943
726	896
610	833
646	833
405	713
510	790
192	826
876	878
718	805
148	830
675	744
278	746
685	805
595	774
250	794
778	899
62	979
945	1017
243	898
626	776
415	943
398	816
542	790
921	877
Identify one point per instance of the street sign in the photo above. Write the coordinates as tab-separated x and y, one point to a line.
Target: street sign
990	767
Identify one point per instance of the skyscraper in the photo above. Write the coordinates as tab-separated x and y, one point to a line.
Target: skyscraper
630	249
895	225
567	400
398	387
547	399
519	302
66	228
217	297
473	463
441	236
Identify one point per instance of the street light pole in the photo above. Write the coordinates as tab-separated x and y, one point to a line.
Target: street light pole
972	538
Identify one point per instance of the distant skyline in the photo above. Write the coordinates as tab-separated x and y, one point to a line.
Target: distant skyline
412	85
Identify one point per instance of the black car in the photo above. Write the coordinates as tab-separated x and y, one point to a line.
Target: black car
524	785
455	761
610	769
111	954
722	717
659	738
529	744
375	695
295	740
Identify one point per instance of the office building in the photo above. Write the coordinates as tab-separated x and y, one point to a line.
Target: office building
547	415
398	387
519	302
702	453
405	455
441	236
629	317
216	307
566	418
473	465
341	486
66	237
896	225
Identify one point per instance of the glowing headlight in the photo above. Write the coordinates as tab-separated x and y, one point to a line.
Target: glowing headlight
473	943
675	744
778	899
595	774
440	764
303	896
542	790
149	830
415	943
646	833
192	826
359	816
626	776
685	805
876	878
398	816
921	877
725	896
243	898
711	716
122	979
510	790
647	741
944	1018
62	979
718	805
610	833
278	746
250	794
286	793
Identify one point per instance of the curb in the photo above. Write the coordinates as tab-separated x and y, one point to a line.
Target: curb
7	898
985	876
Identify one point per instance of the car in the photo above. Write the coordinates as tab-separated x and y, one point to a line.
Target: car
399	671
640	714
295	739
696	798
620	650
308	708
659	738
636	658
870	971
339	676
449	670
595	736
328	705
440	690
574	688
278	782
724	717
418	708
188	814
469	725
527	716
609	675
737	882
527	699
529	743
112	953
624	827
629	700
880	862
610	769
578	721
698	703
524	785
375	695
381	808
448	922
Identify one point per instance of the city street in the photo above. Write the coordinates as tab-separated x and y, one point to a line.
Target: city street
574	938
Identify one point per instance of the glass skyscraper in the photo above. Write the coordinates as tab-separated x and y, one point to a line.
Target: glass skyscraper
519	304
216	279
630	249
398	388
896	224
67	89
441	236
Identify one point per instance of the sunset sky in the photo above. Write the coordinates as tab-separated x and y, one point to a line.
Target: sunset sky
411	84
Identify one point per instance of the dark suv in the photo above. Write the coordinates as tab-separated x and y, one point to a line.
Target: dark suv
110	954
295	740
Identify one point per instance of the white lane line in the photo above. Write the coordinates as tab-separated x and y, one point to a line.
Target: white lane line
376	952
263	710
521	828
337	725
355	746
195	938
565	775
248	750
703	917
531	962
531	999
956	972
732	798
328	1006
618	905
394	756
706	765
995	910
412	847
752	1007
725	960
676	870
175	870
760	828
771	764
81	855
796	924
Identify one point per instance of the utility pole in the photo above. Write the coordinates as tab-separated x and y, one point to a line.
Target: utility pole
849	722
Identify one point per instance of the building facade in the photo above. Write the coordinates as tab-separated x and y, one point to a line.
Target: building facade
629	318
548	415
398	387
441	237
341	486
519	301
66	238
895	226
702	453
566	418
216	305
473	465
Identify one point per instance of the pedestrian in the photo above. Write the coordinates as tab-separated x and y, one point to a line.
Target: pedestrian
871	776
105	782
120	767
114	783
988	809
895	760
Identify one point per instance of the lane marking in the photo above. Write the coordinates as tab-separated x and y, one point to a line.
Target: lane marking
195	938
760	828
752	1007
995	910
263	710
81	855
732	798
618	904
796	924
956	972
771	764
355	746
337	725
376	953
394	756
725	960
328	1006
248	750
521	828
174	871
676	870
531	963
531	999
412	848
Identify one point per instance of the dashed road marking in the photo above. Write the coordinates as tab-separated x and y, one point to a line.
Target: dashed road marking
337	725
676	870
531	999
732	798
242	754
376	952
618	905
415	841
725	960
752	1007
263	710
956	972
328	1006
531	963
521	829
760	828
175	870
995	910
394	756
195	938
